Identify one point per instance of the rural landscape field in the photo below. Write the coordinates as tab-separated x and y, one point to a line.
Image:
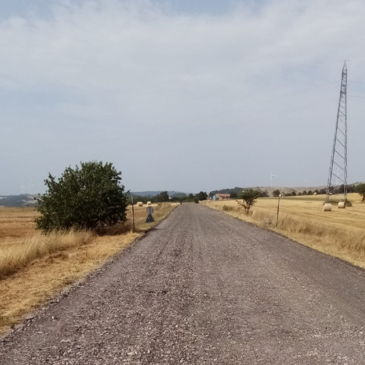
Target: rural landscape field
182	182
340	233
34	266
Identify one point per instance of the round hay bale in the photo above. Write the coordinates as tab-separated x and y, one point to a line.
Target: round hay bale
139	204
327	207
149	203
341	205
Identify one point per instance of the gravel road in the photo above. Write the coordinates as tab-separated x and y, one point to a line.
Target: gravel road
204	288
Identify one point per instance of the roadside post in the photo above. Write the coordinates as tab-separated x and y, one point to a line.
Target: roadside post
150	211
133	226
277	212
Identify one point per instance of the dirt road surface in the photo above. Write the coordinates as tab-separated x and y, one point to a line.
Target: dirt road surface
204	288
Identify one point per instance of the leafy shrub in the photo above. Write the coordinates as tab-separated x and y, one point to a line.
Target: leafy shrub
249	197
360	189
88	197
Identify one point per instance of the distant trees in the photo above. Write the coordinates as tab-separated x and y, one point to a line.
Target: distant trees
87	197
234	195
162	197
249	197
276	193
360	189
202	195
264	194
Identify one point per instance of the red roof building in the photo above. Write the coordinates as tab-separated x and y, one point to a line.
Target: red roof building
222	196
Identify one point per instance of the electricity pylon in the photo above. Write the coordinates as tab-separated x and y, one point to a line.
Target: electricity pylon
339	150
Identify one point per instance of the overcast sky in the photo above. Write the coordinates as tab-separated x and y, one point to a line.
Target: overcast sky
179	95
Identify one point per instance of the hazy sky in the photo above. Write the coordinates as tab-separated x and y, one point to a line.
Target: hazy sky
179	95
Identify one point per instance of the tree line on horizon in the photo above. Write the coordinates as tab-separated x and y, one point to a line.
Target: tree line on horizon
91	196
164	197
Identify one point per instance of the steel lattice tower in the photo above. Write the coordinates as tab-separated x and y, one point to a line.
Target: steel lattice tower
338	165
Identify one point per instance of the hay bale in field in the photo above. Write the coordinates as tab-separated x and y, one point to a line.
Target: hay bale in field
341	205
327	207
149	203
139	204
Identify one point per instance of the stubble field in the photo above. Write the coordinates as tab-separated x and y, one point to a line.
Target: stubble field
33	267
340	233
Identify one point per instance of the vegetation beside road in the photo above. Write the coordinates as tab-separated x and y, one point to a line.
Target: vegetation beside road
340	233
34	267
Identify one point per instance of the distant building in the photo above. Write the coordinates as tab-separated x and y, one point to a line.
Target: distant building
222	196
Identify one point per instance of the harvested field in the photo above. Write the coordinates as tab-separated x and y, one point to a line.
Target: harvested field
34	267
203	288
340	233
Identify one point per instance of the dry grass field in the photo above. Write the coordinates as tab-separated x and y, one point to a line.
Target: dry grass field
34	267
340	233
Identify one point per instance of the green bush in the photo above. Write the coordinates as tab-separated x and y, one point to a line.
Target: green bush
88	197
249	197
360	189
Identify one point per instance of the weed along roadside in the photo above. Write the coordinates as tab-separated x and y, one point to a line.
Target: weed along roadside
35	267
339	233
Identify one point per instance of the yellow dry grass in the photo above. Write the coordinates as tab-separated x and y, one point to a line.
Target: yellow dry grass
340	233
35	267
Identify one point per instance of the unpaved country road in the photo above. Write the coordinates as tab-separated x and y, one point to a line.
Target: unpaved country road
204	288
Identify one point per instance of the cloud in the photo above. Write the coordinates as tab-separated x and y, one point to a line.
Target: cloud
96	71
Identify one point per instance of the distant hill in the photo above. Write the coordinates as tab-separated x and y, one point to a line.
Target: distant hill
27	200
173	194
23	200
270	189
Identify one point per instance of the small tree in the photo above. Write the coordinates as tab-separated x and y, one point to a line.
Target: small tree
263	193
360	189
202	195
234	195
249	197
162	197
276	193
86	197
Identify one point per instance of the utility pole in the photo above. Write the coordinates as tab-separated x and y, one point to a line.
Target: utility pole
277	211
133	225
339	149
